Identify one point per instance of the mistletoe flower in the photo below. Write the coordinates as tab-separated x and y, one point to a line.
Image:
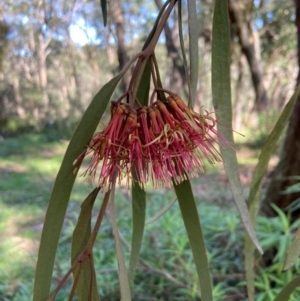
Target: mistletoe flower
106	148
200	128
161	143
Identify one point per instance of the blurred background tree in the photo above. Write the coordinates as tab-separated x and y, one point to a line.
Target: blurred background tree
55	56
58	55
286	173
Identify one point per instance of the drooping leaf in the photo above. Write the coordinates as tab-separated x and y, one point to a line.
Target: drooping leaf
150	36
104	11
193	49
138	223
138	193
221	92
268	150
123	274
286	292
255	187
293	252
195	235
81	235
183	48
144	86
62	188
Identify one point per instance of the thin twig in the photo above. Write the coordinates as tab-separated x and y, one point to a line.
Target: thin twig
62	282
86	253
75	282
91	277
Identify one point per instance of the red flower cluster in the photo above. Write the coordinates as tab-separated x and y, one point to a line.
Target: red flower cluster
162	142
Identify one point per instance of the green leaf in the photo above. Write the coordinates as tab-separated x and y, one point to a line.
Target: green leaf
286	292
138	193
104	11
150	36
268	150
81	235
63	185
293	252
193	49
181	40
222	102
255	187
144	86
123	275
138	224
193	228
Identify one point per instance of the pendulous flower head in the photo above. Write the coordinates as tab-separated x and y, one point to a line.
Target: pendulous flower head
164	142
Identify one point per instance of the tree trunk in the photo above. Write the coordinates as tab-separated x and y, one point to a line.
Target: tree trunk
289	164
247	41
118	20
18	97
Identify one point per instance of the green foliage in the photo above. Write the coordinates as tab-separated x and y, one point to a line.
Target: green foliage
81	234
293	188
193	50
193	228
221	90
104	11
254	194
165	249
63	186
275	235
168	273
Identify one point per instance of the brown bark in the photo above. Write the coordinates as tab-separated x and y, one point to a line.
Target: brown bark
42	53
42	69
178	81
243	29
18	97
4	30
118	20
289	164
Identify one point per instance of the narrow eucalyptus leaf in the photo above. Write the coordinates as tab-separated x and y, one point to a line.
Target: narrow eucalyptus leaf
249	249
268	150
138	193
255	187
104	11
183	48
123	275
81	235
286	292
293	252
62	188
193	48
193	228
138	222
155	24
222	102
144	87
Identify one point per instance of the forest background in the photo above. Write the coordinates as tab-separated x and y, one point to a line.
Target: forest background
55	56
